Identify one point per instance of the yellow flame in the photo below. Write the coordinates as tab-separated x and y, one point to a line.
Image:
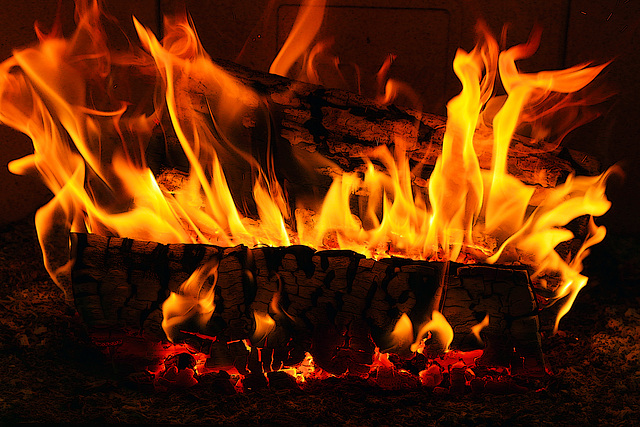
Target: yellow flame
271	217
401	336
264	326
455	186
194	301
440	326
479	327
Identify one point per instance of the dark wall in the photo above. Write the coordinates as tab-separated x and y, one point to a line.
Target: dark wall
423	35
601	31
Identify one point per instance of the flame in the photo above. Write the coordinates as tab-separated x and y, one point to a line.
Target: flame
91	140
304	30
440	326
402	335
479	327
193	301
264	325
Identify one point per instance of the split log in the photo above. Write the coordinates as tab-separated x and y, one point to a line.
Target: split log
337	305
299	121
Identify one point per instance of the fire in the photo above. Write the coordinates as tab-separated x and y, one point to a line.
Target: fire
304	30
90	145
193	302
264	325
479	327
440	326
402	336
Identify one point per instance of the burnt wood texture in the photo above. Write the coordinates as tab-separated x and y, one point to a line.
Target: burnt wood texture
337	305
291	120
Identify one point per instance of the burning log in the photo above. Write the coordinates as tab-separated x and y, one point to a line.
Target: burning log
337	305
298	120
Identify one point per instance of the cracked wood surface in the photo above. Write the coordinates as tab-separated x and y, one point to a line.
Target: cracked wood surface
337	305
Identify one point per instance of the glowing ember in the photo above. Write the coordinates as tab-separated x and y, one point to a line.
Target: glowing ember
90	149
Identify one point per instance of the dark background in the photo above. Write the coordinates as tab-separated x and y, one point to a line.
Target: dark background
423	35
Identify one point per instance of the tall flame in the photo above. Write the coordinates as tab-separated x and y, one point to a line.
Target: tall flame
90	146
304	30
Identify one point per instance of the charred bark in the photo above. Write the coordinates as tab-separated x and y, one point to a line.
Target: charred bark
290	120
337	305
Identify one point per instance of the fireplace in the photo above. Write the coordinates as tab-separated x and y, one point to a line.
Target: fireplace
280	310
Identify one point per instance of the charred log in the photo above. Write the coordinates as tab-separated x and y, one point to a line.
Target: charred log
295	120
337	305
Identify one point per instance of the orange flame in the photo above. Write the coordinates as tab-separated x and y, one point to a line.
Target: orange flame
440	326
193	302
90	144
264	325
401	336
479	327
304	30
